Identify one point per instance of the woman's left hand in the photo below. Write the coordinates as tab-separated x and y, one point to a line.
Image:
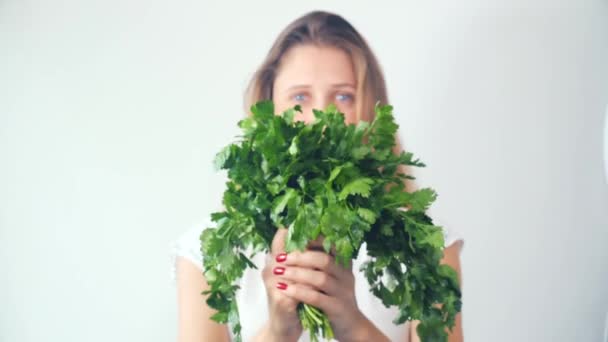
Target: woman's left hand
314	278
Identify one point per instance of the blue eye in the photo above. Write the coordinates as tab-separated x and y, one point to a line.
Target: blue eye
299	97
344	97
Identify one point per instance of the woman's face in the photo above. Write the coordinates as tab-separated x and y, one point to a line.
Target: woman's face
314	77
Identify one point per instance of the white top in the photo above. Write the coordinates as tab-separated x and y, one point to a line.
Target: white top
251	297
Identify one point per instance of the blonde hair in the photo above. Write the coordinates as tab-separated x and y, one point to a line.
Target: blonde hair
327	29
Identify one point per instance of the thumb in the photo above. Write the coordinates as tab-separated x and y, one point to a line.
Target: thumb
278	241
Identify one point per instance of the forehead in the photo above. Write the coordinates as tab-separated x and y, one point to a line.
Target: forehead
315	65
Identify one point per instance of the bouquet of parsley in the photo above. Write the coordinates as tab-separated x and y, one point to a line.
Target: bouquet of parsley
339	181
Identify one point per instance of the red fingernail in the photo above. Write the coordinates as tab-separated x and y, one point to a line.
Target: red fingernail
281	286
281	257
278	270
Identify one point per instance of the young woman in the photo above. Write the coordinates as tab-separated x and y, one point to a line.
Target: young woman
317	60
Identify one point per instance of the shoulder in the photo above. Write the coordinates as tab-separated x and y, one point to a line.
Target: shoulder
186	272
453	243
187	245
452	236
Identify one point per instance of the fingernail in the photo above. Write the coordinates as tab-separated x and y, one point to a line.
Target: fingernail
278	270
281	257
281	286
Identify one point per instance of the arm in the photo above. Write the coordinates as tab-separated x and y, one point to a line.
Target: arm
194	324
451	256
265	335
367	331
364	331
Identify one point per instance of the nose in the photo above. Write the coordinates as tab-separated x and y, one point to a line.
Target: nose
321	103
318	102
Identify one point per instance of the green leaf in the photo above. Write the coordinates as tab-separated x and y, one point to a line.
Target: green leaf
361	152
345	250
383	128
336	171
263	110
367	215
361	186
327	245
434	237
331	108
288	115
293	148
210	242
387	230
281	202
248	125
340	181
221	157
422	199
220	317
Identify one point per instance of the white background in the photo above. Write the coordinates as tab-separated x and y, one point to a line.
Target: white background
111	112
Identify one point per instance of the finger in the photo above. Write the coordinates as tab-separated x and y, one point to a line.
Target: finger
318	280
318	260
317	245
278	242
278	294
278	297
310	296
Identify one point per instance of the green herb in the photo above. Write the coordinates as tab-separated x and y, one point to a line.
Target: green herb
339	181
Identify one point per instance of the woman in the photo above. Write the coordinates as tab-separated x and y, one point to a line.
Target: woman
317	60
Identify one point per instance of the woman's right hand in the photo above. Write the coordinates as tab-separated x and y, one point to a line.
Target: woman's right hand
283	321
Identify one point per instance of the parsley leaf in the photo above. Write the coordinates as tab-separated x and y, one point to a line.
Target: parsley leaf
336	180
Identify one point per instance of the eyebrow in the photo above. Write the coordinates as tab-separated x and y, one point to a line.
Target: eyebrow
335	85
340	85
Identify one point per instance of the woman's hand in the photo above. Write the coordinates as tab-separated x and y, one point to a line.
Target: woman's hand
284	323
314	278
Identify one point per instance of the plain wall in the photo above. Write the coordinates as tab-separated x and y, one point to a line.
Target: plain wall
111	113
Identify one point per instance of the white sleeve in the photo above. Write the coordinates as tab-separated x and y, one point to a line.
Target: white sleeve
450	234
187	245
